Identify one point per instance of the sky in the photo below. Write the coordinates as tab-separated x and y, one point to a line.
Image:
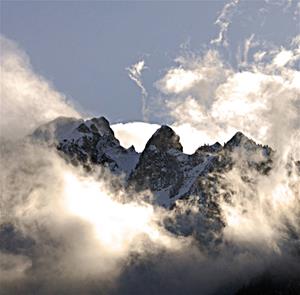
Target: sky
85	48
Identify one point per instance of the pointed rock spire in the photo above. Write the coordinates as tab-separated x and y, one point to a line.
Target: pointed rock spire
102	125
164	139
238	140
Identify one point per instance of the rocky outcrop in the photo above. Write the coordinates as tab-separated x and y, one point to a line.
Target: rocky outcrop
88	142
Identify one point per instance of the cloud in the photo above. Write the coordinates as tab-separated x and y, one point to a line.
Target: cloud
178	80
134	133
260	99
90	238
65	219
115	222
135	74
222	100
282	58
27	99
243	51
223	21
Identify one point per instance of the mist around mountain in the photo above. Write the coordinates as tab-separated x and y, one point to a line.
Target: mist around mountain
208	203
116	221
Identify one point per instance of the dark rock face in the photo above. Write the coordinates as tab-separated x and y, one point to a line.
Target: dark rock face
239	139
158	168
101	125
164	139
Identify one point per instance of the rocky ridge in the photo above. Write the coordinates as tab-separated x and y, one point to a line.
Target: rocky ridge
163	168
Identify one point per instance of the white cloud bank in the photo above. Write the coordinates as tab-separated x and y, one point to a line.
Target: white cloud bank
209	100
262	100
134	133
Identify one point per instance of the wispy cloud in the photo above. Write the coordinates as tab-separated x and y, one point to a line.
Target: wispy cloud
223	22
135	74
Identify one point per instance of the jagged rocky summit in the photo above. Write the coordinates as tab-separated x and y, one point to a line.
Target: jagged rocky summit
162	167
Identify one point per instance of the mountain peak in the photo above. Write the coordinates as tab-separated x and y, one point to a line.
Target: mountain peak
64	128
164	139
238	140
101	125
